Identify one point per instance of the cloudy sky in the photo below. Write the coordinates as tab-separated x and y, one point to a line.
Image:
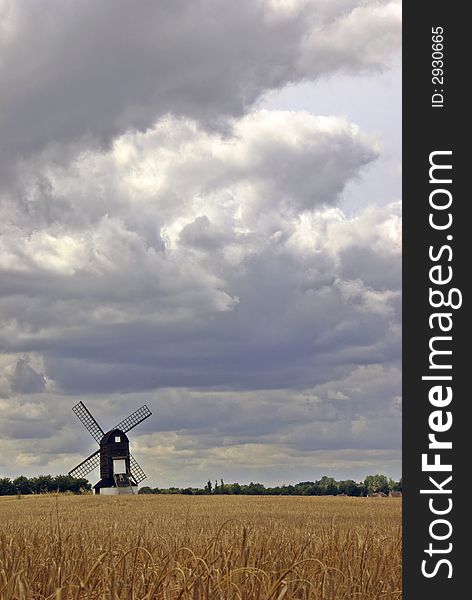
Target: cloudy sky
200	211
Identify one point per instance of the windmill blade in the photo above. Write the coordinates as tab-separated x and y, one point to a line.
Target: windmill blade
134	419
87	465
136	472
88	421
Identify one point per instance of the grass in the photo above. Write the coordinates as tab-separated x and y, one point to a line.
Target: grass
199	547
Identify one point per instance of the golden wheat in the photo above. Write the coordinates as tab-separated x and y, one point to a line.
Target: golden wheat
199	547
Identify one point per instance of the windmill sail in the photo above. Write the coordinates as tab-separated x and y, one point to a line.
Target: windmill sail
134	419
136	472
87	465
88	421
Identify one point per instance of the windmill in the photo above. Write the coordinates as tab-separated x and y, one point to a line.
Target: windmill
119	470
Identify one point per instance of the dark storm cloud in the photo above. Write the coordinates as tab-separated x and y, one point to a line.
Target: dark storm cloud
88	71
25	380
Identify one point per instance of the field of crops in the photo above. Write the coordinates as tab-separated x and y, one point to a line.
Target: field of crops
199	547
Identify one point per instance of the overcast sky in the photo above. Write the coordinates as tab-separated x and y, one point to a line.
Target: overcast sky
200	211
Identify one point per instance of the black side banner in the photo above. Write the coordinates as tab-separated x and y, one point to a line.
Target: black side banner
435	322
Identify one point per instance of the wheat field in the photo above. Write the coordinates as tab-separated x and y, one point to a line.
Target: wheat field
199	547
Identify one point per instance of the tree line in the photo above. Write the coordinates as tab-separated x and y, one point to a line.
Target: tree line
326	486
43	484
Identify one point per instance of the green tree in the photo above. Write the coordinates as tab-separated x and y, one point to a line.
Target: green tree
376	483
234	488
23	485
7	487
348	487
328	485
304	488
42	484
81	484
65	483
255	489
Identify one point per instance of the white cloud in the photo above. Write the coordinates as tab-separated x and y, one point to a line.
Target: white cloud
354	40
